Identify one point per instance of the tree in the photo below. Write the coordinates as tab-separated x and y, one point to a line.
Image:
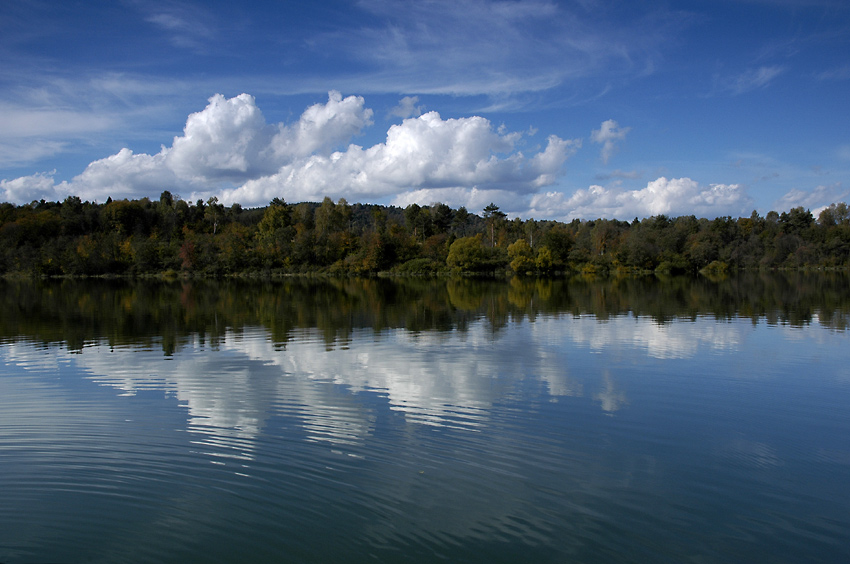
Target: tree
166	200
493	215
467	254
418	220
531	229
544	262
73	219
232	246
460	219
331	217
277	216
835	214
521	256
214	212
796	221
703	248
604	236
274	233
441	217
125	216
559	240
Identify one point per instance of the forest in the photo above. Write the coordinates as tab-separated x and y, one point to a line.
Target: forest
173	237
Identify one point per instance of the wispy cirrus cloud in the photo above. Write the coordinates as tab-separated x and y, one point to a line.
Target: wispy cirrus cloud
837	73
751	79
52	113
18	121
188	26
621	174
503	55
21	153
479	47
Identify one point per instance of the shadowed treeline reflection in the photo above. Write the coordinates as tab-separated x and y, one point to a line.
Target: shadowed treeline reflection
164	314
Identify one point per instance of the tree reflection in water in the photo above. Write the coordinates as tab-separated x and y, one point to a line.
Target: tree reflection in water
166	313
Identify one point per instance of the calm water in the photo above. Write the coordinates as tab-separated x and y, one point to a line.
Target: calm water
369	421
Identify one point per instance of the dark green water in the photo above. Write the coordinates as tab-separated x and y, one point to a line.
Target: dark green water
374	421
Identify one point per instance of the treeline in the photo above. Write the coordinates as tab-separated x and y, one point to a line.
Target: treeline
144	237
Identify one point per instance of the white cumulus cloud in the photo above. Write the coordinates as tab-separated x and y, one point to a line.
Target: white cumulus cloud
816	200
230	139
675	196
607	135
407	108
26	189
123	175
230	151
423	159
225	144
323	127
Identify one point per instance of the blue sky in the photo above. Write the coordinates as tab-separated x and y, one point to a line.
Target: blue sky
549	109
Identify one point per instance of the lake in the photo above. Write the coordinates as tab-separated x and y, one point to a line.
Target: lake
585	420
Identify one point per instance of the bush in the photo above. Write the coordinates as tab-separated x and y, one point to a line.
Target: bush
467	254
420	266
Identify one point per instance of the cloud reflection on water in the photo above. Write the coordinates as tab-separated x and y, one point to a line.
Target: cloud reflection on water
679	340
469	399
443	379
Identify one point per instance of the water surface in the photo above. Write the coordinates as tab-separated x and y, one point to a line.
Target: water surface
376	421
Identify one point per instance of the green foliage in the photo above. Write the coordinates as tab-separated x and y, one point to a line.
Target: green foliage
521	256
419	267
467	254
559	239
441	218
141	237
544	261
494	217
716	268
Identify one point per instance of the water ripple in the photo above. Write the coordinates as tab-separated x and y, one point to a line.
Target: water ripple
403	449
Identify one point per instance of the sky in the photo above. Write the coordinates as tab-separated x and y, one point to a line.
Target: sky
549	109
